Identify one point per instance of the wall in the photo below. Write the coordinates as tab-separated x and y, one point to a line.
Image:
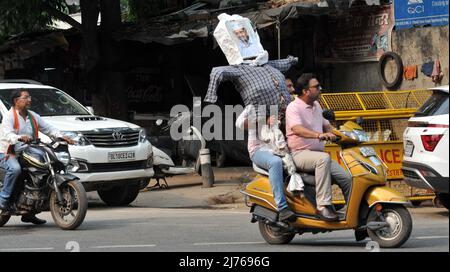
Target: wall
419	45
415	46
354	77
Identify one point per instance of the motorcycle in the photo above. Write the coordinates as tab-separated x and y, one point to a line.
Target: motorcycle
45	184
374	210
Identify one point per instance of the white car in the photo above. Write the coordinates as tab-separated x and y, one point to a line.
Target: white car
425	159
110	156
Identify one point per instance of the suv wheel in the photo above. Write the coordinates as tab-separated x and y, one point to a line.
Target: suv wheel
121	195
443	199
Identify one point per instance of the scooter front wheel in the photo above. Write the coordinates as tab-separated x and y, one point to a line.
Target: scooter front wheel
275	235
399	229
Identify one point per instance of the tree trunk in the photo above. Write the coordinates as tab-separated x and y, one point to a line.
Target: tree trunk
112	100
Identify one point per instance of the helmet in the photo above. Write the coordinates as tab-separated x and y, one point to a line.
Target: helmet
34	157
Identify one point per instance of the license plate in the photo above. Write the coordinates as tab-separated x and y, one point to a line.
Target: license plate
409	149
121	156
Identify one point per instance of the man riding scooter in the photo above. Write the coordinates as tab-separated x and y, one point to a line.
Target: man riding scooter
20	125
306	130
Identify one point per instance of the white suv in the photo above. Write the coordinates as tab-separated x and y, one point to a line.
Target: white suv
425	160
110	156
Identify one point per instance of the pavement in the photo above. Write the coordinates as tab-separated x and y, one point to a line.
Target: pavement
186	191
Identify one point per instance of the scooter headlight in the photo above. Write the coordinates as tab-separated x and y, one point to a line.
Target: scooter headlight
357	135
367	151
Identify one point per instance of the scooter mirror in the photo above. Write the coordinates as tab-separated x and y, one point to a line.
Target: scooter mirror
159	122
328	114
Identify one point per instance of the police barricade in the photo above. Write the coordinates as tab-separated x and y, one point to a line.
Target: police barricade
385	116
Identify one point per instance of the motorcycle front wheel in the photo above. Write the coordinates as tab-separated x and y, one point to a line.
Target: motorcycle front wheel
69	214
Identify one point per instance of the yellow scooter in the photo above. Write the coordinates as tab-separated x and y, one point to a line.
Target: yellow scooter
374	210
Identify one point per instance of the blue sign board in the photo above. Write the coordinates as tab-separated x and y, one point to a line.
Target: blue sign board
411	13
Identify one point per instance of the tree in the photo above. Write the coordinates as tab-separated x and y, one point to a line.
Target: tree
18	16
99	54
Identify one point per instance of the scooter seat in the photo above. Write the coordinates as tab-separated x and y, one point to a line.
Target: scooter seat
308	178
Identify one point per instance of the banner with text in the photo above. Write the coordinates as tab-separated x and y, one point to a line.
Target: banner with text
411	13
361	34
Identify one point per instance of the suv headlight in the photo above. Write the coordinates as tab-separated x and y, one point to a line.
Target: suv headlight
142	135
78	138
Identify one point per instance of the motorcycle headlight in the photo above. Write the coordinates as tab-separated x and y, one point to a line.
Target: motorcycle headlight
142	135
78	138
63	157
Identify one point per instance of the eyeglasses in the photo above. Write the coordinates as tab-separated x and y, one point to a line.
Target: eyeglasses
25	97
318	86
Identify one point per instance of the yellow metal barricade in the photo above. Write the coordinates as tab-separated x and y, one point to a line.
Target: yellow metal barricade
385	117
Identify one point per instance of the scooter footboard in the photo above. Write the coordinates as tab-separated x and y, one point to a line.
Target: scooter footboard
384	194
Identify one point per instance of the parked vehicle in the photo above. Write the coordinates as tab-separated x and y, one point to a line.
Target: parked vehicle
110	156
425	140
374	209
46	184
186	149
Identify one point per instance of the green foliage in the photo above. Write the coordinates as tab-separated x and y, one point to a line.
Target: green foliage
17	16
141	10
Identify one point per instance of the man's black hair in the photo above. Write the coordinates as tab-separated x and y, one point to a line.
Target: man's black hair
303	82
16	94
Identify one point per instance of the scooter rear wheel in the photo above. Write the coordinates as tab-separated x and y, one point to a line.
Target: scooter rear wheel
399	230
275	235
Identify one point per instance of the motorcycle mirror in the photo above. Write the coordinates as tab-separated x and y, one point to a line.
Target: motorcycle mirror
159	122
328	114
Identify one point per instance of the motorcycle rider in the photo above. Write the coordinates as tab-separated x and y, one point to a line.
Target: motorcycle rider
20	125
305	130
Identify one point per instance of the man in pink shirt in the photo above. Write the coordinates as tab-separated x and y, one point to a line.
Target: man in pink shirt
306	130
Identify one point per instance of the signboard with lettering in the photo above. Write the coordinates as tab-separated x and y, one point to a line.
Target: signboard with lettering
411	13
390	152
360	34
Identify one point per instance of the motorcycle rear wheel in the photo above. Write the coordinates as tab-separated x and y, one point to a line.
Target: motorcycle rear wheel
70	214
4	219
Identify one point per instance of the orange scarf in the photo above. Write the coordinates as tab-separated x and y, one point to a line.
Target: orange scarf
16	127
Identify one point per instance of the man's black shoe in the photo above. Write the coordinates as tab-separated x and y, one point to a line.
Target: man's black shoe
287	215
327	214
31	218
2	206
